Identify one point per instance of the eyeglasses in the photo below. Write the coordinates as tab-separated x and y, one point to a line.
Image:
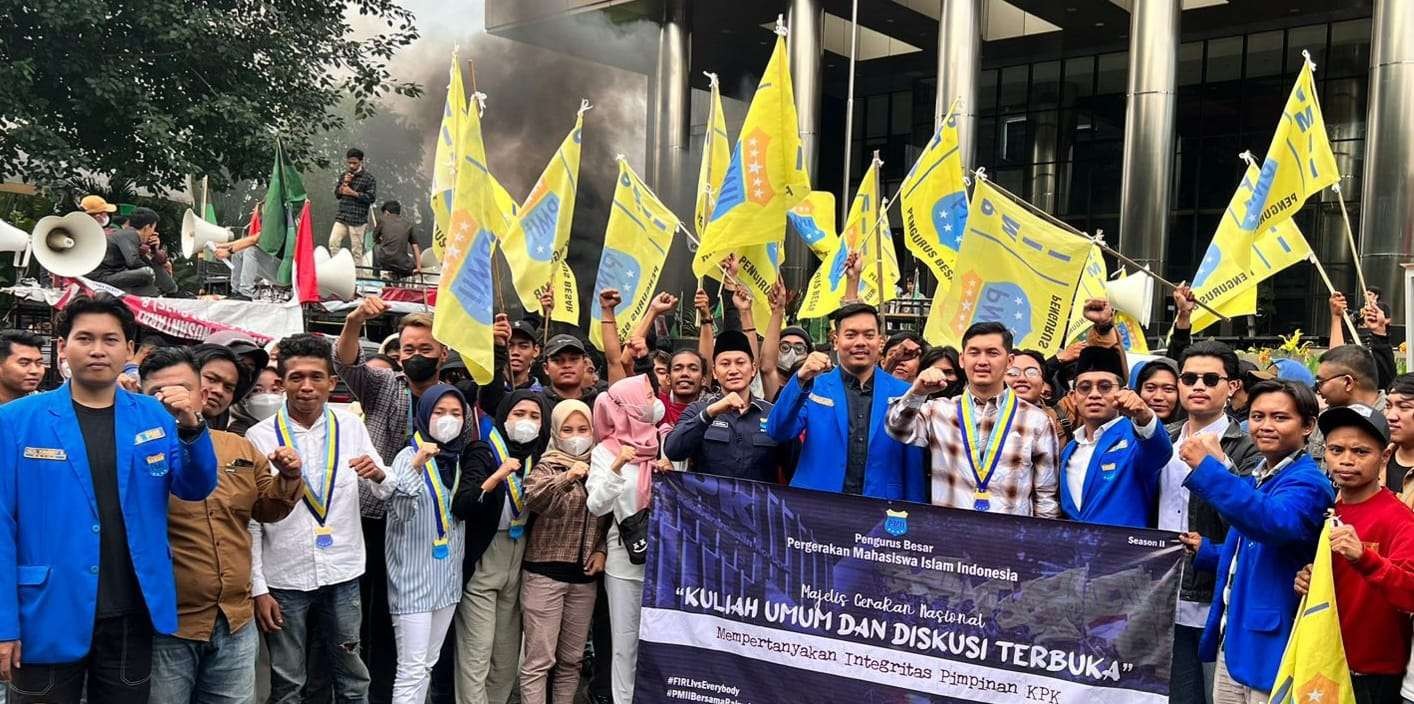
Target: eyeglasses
1322	382
1029	373
1104	387
1209	379
800	348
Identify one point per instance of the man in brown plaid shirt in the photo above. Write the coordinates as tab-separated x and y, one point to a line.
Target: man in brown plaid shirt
1019	474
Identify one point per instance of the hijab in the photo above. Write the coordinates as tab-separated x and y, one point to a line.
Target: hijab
618	424
527	450
563	410
448	452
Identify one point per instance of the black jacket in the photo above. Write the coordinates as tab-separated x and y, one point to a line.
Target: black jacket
1197	585
481	513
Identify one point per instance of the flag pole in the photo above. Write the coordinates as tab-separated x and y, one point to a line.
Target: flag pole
1097	239
849	108
1350	237
1326	279
878	246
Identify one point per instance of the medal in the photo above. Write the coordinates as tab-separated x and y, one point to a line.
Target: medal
984	460
323	537
319	490
433	479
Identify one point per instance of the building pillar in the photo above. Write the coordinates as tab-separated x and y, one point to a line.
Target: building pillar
959	60
1386	209
806	23
1152	99
673	107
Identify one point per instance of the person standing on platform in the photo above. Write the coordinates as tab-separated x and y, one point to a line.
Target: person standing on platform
355	192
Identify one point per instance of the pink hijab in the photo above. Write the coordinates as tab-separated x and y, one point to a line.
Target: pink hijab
619	423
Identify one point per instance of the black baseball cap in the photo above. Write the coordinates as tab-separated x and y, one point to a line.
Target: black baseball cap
798	331
1360	415
563	343
527	328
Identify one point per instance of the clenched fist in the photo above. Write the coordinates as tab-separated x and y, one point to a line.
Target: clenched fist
730	402
1198	447
181	403
501	330
929	381
816	364
370	307
366	468
287	461
1131	406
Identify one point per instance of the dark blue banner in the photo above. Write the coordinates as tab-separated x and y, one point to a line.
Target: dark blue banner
761	594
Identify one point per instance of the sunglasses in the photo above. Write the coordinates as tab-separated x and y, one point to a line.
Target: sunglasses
1209	379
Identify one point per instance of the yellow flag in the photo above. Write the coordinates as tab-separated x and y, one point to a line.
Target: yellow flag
1299	161
766	176
1274	250
759	264
444	167
464	295
565	288
1313	667
636	243
541	230
862	233
1131	333
813	220
1092	285
1014	268
935	203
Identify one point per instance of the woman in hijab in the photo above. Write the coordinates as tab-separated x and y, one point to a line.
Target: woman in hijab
491	499
563	557
619	484
424	543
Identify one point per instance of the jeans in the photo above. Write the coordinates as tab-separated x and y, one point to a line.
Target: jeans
420	638
379	650
218	671
116	671
251	265
1186	682
336	609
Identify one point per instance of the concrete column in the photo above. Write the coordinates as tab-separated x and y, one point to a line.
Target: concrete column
673	105
1147	173
959	60
1386	209
806	22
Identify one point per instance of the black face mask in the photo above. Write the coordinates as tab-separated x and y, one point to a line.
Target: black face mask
419	368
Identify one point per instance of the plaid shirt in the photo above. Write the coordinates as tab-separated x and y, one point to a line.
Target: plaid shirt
353	210
1025	480
386	400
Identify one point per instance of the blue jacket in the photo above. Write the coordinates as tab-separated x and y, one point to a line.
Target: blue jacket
49	518
1122	482
1277	525
894	470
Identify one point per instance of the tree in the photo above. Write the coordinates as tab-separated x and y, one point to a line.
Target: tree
150	91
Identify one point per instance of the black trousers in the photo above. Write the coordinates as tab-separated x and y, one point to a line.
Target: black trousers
1377	689
117	670
380	646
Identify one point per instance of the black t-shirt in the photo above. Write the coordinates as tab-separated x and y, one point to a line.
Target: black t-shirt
1395	475
118	589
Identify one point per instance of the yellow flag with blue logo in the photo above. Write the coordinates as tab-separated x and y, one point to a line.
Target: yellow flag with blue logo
565	289
1092	285
813	221
1015	268
1313	667
766	176
1299	161
759	265
444	165
935	202
464	294
1131	333
1274	250
636	244
825	292
541	231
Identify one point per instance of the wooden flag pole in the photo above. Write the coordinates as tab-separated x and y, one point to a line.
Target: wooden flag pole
1350	238
1326	279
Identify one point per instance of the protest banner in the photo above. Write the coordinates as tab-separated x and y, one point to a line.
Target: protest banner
762	594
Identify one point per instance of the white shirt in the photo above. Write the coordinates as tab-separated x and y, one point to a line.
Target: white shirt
283	555
1079	464
1173	510
615	494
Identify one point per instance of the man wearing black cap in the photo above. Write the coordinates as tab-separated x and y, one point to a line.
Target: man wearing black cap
781	360
227	383
841	411
1111	468
725	434
1373	553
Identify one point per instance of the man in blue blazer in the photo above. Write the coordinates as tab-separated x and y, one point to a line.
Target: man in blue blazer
1276	516
841	411
1111	469
85	474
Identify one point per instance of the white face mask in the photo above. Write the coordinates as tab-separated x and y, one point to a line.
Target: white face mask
655	411
262	406
523	431
576	444
787	359
445	428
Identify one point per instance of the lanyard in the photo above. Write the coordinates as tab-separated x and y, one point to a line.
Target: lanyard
984	460
316	500
440	497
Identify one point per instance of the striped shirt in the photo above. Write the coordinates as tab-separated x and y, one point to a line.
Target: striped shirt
417	581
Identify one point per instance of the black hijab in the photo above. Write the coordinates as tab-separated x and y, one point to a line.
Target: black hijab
535	448
448	452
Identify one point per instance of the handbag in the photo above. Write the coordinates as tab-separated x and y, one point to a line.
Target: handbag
633	533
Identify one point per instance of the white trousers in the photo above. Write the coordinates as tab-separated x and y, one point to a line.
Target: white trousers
419	639
625	605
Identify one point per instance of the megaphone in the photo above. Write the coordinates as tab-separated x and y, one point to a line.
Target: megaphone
197	233
1133	295
71	245
429	263
334	273
13	239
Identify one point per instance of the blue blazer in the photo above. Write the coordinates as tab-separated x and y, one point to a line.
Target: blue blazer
1122	482
1277	525
49	518
894	470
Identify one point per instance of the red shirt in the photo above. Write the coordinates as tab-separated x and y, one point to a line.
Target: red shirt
1371	592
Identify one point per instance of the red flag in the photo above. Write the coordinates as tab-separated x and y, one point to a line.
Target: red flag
254	227
305	282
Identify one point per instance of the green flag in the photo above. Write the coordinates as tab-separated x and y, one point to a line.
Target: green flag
283	199
210	215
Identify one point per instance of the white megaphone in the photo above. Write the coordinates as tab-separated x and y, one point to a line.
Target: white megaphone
1133	295
72	245
197	233
429	263
13	239
334	273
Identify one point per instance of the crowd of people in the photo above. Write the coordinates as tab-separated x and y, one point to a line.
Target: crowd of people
461	542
